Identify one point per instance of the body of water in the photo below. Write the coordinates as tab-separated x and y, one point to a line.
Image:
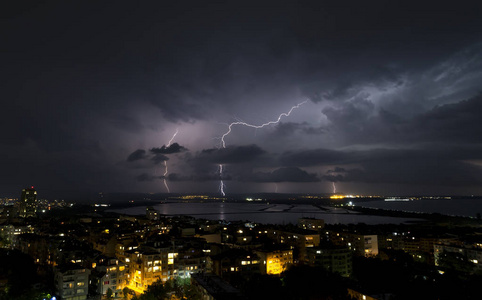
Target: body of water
265	213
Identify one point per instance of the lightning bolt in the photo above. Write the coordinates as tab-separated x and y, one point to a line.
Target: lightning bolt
334	188
221	184
230	128
165	162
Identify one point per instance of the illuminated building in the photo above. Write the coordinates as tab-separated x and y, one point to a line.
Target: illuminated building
233	260
464	258
152	214
420	247
191	257
275	262
111	275
55	250
40	248
8	211
360	244
71	282
28	203
298	238
370	245
334	259
311	224
10	234
148	266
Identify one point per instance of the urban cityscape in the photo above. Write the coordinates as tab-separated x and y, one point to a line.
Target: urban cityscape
208	150
61	250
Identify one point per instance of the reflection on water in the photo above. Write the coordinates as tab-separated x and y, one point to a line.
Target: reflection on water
265	213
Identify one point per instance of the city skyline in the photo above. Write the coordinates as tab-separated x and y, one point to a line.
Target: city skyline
131	97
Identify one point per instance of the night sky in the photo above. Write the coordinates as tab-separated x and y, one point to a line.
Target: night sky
93	91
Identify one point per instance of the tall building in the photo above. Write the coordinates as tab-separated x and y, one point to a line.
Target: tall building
275	262
110	274
28	203
334	259
71	282
146	266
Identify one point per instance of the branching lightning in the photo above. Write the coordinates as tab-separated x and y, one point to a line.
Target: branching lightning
165	162
230	128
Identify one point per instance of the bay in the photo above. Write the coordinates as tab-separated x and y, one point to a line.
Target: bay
264	213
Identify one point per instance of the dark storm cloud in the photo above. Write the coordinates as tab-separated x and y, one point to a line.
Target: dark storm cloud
245	174
207	176
137	155
144	177
238	162
158	158
291	128
342	174
289	174
450	123
231	154
314	157
359	122
156	155
173	148
336	170
179	177
376	54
